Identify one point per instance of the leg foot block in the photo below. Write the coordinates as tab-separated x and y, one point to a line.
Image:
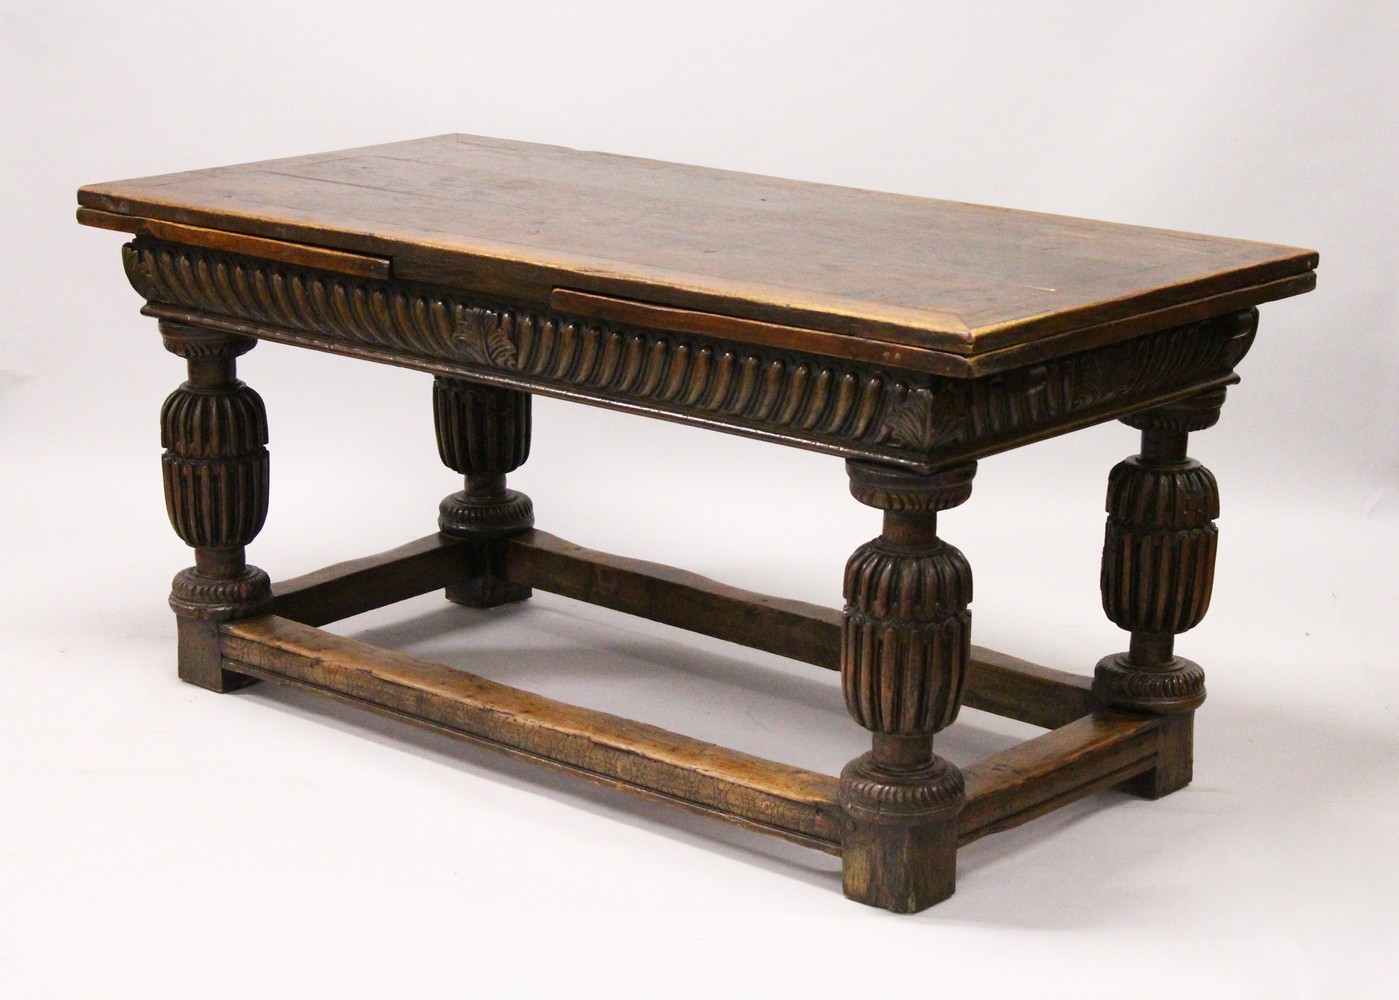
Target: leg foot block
487	592
200	659
900	834
1175	757
200	602
487	585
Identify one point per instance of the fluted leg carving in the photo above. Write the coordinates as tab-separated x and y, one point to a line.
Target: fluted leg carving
1158	573
906	639
214	431
483	432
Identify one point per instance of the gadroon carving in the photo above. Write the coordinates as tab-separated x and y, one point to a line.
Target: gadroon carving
829	404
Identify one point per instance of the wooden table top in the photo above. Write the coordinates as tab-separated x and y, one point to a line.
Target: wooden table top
541	223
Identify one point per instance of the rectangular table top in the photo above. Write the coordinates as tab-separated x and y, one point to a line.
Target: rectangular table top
607	235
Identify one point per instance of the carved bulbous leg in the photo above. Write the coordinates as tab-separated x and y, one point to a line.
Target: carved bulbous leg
906	639
483	433
1158	572
214	431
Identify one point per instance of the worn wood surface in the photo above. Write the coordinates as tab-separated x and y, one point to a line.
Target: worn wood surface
1158	560
910	336
359	265
905	648
613	310
832	404
521	219
351	588
1049	771
995	682
1159	552
786	801
1008	789
805	632
215	470
1017	689
483	433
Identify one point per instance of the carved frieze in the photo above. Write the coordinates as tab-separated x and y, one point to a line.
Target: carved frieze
851	408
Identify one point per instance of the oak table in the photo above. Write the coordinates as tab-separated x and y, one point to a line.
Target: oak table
908	336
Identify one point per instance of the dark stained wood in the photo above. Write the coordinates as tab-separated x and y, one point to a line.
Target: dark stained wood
1017	689
521	219
1003	791
611	309
905	357
483	433
905	646
676	597
844	407
354	587
215	470
1175	758
997	683
1157	577
775	798
117	223
908	336
1049	771
1111	332
360	265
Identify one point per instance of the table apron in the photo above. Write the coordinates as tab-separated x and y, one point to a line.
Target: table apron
838	406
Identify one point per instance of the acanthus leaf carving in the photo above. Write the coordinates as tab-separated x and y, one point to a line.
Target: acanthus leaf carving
953	413
925	418
483	337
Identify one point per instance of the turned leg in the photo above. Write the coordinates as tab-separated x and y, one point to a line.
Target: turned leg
905	642
1158	571
214	431
483	433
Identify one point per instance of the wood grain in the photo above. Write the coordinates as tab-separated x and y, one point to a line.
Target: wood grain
676	597
351	588
610	308
905	648
521	219
775	798
1017	689
909	336
838	406
1049	771
215	469
1006	790
359	265
997	683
